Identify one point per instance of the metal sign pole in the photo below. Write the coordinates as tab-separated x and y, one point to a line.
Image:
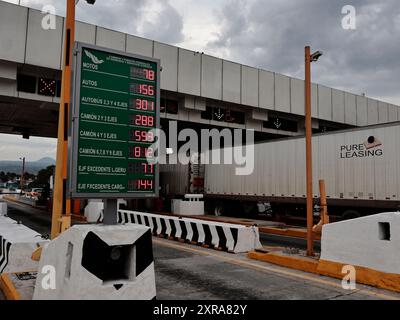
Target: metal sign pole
110	212
308	122
61	204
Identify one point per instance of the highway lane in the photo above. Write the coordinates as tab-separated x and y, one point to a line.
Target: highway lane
186	272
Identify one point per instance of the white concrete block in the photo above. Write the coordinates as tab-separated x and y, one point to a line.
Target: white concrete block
282	93
324	103
96	262
211	77
267	90
189	72
3	208
373	114
141	46
168	56
188	207
338	109
13	21
85	32
372	242
110	39
362	111
297	96
383	112
250	86
93	210
231	81
229	237
43	47
17	243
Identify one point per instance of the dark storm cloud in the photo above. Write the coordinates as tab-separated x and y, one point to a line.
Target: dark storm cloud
272	34
153	19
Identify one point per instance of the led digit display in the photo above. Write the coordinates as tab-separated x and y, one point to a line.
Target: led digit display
142	89
141	136
141	73
141	105
118	103
141	185
141	168
140	152
141	120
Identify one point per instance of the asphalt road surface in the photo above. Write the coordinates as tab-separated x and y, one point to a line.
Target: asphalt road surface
186	272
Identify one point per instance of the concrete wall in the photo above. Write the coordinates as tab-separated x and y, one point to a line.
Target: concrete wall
22	40
361	242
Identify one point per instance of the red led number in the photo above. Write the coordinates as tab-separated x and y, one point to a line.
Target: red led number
144	105
142	136
148	168
140	152
143	120
146	90
144	184
149	74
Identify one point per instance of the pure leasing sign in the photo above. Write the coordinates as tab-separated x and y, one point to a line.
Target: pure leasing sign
373	147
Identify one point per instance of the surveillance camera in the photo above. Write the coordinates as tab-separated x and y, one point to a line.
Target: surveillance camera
91	1
316	55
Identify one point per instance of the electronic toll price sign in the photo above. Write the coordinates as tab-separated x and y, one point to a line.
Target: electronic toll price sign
116	109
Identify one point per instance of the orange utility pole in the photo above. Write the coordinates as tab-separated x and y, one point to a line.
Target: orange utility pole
61	218
308	124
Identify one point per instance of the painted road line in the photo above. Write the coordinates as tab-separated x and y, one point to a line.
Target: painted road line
263	268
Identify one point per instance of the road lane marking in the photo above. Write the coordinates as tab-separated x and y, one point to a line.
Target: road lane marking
272	270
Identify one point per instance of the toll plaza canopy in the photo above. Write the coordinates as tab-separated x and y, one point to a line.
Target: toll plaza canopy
196	89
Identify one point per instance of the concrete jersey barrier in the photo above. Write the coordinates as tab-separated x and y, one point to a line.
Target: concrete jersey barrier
17	243
371	242
97	262
224	236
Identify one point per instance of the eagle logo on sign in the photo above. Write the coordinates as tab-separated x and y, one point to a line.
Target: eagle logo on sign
92	57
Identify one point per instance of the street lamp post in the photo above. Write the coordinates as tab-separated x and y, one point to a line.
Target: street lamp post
308	124
61	203
22	175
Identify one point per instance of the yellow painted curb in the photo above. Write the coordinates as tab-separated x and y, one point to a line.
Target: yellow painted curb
297	263
364	275
388	281
8	289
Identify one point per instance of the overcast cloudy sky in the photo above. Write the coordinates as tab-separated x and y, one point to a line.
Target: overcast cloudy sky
269	34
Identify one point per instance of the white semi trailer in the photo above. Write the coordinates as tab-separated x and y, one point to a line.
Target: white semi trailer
361	169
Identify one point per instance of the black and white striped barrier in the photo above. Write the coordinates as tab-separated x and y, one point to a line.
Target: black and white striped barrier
222	236
17	244
96	262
